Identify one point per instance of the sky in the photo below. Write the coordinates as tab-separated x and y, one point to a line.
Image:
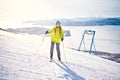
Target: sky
21	10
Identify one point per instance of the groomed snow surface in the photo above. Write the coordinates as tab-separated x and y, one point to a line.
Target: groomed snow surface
26	57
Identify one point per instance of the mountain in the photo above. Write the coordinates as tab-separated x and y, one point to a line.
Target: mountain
79	21
30	30
2	29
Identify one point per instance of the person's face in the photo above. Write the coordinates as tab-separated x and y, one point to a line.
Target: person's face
57	25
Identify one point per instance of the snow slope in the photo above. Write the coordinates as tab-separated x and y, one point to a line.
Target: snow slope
26	57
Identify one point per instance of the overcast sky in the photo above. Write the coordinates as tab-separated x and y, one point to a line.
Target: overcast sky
49	9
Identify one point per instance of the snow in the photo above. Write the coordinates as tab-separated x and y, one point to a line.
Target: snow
26	57
109	36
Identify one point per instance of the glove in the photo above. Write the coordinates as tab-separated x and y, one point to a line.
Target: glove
62	39
46	32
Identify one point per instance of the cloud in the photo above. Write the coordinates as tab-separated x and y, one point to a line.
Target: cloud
48	9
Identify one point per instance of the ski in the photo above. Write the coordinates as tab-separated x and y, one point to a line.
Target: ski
61	62
50	61
54	61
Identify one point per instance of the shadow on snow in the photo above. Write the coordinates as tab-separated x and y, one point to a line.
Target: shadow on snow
71	74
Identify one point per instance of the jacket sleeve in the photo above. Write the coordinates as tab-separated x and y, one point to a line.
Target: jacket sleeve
49	32
62	36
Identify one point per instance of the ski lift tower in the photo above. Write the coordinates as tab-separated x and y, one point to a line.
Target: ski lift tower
88	32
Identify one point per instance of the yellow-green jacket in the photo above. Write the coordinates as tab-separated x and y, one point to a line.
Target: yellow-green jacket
57	33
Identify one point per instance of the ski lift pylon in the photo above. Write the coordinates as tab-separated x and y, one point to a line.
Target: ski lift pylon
89	32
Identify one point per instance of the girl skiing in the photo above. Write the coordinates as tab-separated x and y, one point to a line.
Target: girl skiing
57	35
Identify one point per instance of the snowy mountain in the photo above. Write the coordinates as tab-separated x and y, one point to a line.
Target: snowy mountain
26	57
30	30
2	29
79	21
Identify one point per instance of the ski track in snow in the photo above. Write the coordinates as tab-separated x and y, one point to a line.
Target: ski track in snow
20	61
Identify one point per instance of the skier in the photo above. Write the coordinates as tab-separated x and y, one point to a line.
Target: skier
57	35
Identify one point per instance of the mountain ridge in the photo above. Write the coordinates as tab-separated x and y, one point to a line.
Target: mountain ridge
79	21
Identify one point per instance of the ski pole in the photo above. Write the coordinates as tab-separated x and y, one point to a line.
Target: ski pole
64	52
40	44
35	55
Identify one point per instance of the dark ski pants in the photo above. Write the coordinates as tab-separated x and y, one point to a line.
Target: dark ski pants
57	48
